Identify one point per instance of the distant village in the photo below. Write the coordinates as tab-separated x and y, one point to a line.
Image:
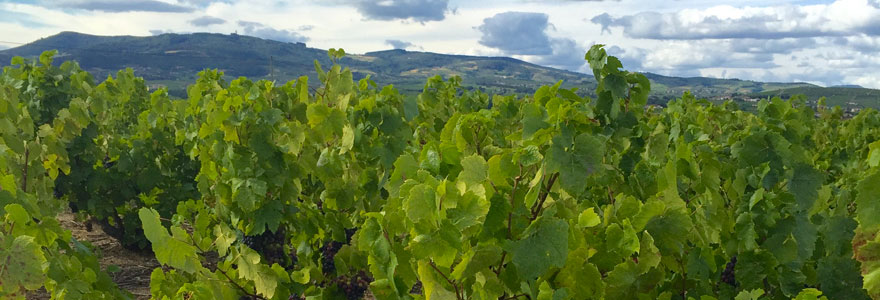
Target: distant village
751	103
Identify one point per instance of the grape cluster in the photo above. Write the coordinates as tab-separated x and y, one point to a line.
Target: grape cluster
349	232
328	252
271	247
56	191
355	286
107	163
416	288
727	276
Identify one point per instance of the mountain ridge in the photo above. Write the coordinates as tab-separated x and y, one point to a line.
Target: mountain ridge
173	60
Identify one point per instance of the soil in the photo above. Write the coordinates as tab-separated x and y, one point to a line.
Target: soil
134	267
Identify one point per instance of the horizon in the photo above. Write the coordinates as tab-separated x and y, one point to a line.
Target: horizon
763	41
587	72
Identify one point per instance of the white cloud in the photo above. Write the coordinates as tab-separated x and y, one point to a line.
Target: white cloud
776	40
262	31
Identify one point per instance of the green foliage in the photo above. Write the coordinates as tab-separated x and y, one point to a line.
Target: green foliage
470	196
43	108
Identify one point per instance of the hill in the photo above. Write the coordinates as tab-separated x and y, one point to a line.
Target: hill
843	96
173	60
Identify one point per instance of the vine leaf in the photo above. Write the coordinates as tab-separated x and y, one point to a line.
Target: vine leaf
545	245
22	262
249	268
171	251
575	161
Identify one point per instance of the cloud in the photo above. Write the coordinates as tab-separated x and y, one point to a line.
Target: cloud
862	43
567	54
203	3
122	6
680	58
21	18
521	33
841	18
262	31
398	44
780	46
3	47
417	10
204	21
161	32
525	33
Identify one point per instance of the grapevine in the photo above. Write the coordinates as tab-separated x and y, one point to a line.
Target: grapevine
333	188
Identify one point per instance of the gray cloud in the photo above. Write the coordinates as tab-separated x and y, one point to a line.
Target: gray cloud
771	23
520	33
687	58
398	44
204	3
759	46
861	43
305	27
262	31
123	6
525	33
161	32
417	10
204	21
567	54
653	25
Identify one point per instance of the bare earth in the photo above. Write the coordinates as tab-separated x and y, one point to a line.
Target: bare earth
135	268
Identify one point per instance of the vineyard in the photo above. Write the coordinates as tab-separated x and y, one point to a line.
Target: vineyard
337	189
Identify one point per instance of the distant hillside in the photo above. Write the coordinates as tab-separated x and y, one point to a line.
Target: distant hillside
845	97
173	60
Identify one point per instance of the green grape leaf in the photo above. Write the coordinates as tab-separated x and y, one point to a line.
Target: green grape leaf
580	276
750	295
476	260
804	185
431	282
421	205
172	251
616	84
649	255
622	239
588	218
347	139
874	154
670	231
810	294
544	245
249	268
534	118
22	263
7	183
868	208
575	162
474	170
225	238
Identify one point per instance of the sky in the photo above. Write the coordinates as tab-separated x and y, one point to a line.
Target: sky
820	42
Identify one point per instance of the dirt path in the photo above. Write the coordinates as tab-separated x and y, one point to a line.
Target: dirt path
134	268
